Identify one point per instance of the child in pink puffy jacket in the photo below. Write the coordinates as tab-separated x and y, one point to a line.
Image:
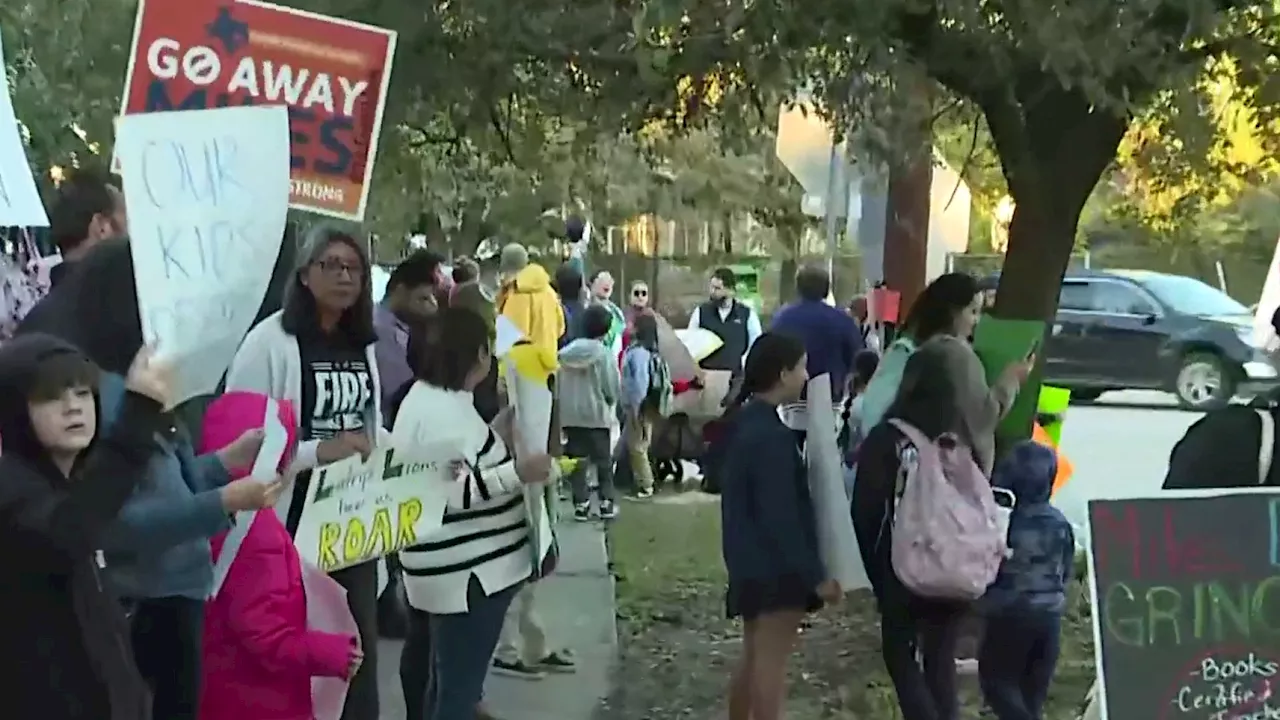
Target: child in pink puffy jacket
259	656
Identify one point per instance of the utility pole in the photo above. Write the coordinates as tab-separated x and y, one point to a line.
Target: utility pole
836	195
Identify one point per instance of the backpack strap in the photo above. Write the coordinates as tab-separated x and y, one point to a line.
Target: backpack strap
1266	445
913	435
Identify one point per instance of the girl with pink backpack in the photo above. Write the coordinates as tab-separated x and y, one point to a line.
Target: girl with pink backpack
926	519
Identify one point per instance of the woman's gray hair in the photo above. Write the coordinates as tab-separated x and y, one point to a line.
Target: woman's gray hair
299	312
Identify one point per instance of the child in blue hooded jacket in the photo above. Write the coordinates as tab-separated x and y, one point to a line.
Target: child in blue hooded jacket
1025	604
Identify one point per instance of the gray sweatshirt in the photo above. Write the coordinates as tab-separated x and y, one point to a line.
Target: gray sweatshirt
587	384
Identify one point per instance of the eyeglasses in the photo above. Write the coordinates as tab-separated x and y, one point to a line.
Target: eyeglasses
334	267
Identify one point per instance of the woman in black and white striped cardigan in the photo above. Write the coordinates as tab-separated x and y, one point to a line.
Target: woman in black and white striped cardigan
461	579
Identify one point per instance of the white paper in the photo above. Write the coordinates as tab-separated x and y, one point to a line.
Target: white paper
531	401
1264	336
507	335
359	510
837	541
208	193
701	342
19	199
327	611
275	440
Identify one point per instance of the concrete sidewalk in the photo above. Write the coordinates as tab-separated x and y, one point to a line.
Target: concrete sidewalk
578	611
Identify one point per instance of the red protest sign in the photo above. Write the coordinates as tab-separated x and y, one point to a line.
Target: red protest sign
332	73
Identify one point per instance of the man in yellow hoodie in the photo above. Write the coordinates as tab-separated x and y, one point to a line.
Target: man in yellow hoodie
528	300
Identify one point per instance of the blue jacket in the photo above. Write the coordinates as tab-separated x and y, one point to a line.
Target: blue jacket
159	544
635	377
572	321
1035	577
767	517
831	339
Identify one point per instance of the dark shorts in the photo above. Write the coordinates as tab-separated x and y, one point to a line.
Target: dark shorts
750	599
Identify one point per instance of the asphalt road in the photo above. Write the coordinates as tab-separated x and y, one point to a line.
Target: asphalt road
1120	447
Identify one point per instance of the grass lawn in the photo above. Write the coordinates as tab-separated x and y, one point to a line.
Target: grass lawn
677	649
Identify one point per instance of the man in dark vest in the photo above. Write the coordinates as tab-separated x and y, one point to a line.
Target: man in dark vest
733	322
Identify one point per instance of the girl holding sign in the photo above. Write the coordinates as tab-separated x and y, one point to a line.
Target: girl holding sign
460	584
317	353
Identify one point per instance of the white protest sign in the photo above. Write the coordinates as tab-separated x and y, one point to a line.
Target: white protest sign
275	441
208	192
531	399
837	542
19	200
358	510
506	335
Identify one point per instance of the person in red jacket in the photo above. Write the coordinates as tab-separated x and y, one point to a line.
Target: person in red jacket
259	654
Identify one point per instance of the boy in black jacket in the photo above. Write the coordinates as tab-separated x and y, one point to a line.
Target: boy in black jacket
63	485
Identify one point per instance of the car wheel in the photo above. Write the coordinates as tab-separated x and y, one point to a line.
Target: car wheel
1203	382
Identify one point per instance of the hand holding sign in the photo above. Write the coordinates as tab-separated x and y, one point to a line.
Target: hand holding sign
149	377
241	453
343	446
208	194
249	493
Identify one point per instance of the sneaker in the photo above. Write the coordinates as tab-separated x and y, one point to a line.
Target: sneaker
582	512
608	510
516	669
558	662
644	493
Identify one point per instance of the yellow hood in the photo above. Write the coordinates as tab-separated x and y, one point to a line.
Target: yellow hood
533	306
533	278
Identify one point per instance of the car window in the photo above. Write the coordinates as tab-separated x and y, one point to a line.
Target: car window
1193	297
1114	297
1076	296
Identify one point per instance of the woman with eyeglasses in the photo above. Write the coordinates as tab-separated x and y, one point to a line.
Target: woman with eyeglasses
318	354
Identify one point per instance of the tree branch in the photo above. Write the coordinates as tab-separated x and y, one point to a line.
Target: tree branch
428	137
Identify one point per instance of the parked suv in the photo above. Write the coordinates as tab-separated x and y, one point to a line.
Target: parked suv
1140	330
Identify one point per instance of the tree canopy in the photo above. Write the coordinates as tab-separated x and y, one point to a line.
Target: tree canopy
501	111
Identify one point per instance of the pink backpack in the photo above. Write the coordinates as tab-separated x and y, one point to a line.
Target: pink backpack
946	537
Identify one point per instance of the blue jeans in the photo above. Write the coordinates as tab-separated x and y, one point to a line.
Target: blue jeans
1016	664
462	646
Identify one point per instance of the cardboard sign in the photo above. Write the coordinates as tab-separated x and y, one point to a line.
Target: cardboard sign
208	200
358	510
331	73
1186	604
19	199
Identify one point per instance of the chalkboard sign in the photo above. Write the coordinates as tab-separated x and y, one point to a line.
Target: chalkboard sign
1186	605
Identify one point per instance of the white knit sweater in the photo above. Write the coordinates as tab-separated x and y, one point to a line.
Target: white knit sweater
485	531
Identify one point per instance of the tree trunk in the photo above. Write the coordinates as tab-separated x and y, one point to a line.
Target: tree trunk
1053	151
906	241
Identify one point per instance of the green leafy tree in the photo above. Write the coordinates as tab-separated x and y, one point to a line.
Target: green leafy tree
1058	86
65	64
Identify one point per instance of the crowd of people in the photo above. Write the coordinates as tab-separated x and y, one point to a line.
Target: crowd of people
920	421
119	512
120	507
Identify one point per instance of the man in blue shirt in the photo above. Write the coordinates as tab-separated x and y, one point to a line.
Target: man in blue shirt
831	338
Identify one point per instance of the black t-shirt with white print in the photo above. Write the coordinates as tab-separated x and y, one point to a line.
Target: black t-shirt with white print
337	390
337	397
